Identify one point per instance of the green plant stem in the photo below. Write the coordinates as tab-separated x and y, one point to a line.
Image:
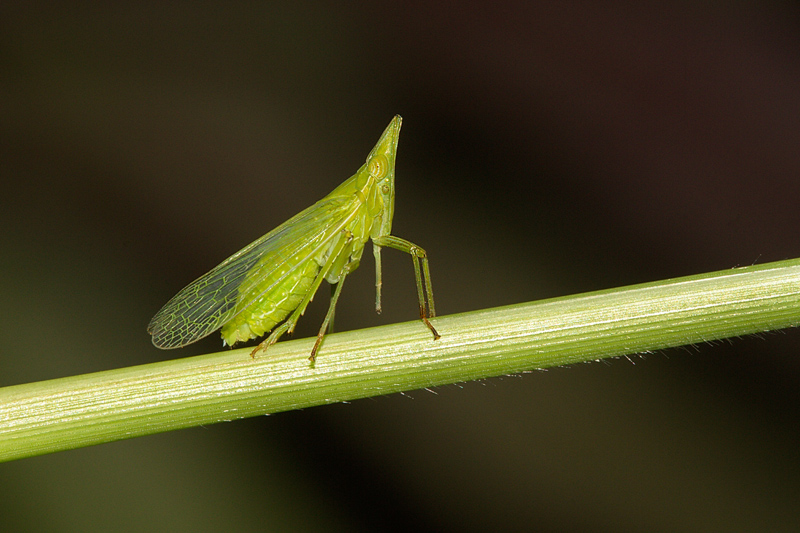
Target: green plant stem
66	413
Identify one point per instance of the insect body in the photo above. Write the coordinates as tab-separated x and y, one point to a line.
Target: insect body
270	282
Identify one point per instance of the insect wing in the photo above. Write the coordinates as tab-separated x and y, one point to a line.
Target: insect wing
210	301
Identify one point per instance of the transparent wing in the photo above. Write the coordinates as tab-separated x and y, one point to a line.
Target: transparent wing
210	301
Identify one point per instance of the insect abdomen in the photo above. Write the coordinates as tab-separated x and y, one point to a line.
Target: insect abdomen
272	307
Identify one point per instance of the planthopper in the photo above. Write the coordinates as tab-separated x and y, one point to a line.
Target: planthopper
267	285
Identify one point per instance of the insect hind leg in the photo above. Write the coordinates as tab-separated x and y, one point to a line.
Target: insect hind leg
343	246
276	334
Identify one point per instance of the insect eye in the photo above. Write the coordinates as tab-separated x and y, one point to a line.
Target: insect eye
378	166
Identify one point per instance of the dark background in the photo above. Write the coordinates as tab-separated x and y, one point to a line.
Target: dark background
547	149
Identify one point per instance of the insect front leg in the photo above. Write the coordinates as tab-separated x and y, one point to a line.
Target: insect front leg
424	289
376	251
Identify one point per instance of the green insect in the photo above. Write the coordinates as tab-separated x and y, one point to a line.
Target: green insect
272	280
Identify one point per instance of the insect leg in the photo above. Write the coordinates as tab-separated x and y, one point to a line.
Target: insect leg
344	242
376	251
272	339
424	290
329	316
334	290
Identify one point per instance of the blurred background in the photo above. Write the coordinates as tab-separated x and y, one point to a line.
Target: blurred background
548	148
